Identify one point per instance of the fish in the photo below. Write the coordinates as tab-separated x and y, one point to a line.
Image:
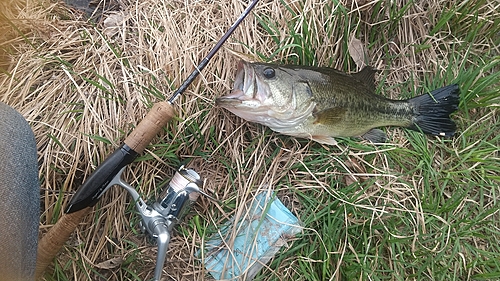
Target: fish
321	103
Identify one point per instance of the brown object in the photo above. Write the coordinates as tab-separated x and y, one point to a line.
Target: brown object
141	136
51	243
150	126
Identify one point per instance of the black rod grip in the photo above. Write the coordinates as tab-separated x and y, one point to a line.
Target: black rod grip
92	189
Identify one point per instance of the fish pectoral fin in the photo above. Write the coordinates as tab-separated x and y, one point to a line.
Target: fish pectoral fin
367	76
375	136
324	140
329	116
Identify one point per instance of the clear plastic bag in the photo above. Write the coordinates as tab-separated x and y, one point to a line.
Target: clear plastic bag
241	249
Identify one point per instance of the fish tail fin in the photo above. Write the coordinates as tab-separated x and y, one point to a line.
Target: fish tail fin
432	111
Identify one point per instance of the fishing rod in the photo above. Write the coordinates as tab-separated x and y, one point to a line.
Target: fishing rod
102	178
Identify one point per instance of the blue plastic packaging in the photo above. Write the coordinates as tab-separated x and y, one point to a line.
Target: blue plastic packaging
241	249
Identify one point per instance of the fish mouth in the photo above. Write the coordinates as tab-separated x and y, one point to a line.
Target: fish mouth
245	89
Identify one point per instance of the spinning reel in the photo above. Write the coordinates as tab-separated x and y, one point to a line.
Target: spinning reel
159	218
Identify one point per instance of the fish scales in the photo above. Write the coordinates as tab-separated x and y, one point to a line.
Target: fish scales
362	108
323	103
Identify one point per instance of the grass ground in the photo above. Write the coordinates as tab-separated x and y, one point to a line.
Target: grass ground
417	208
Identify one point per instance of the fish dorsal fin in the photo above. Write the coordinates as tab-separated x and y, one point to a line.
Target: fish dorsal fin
367	76
329	116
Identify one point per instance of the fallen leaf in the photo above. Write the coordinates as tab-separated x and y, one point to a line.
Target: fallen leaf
113	24
110	264
356	169
243	56
358	52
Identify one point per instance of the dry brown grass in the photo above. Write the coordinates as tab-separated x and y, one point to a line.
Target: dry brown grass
157	44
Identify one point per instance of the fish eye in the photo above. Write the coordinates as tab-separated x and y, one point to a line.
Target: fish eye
269	73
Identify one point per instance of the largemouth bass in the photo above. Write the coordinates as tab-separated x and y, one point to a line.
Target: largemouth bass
324	103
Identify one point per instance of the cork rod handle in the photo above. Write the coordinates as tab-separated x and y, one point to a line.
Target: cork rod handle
141	136
150	126
52	242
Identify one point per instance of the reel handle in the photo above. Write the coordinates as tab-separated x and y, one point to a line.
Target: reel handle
162	240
